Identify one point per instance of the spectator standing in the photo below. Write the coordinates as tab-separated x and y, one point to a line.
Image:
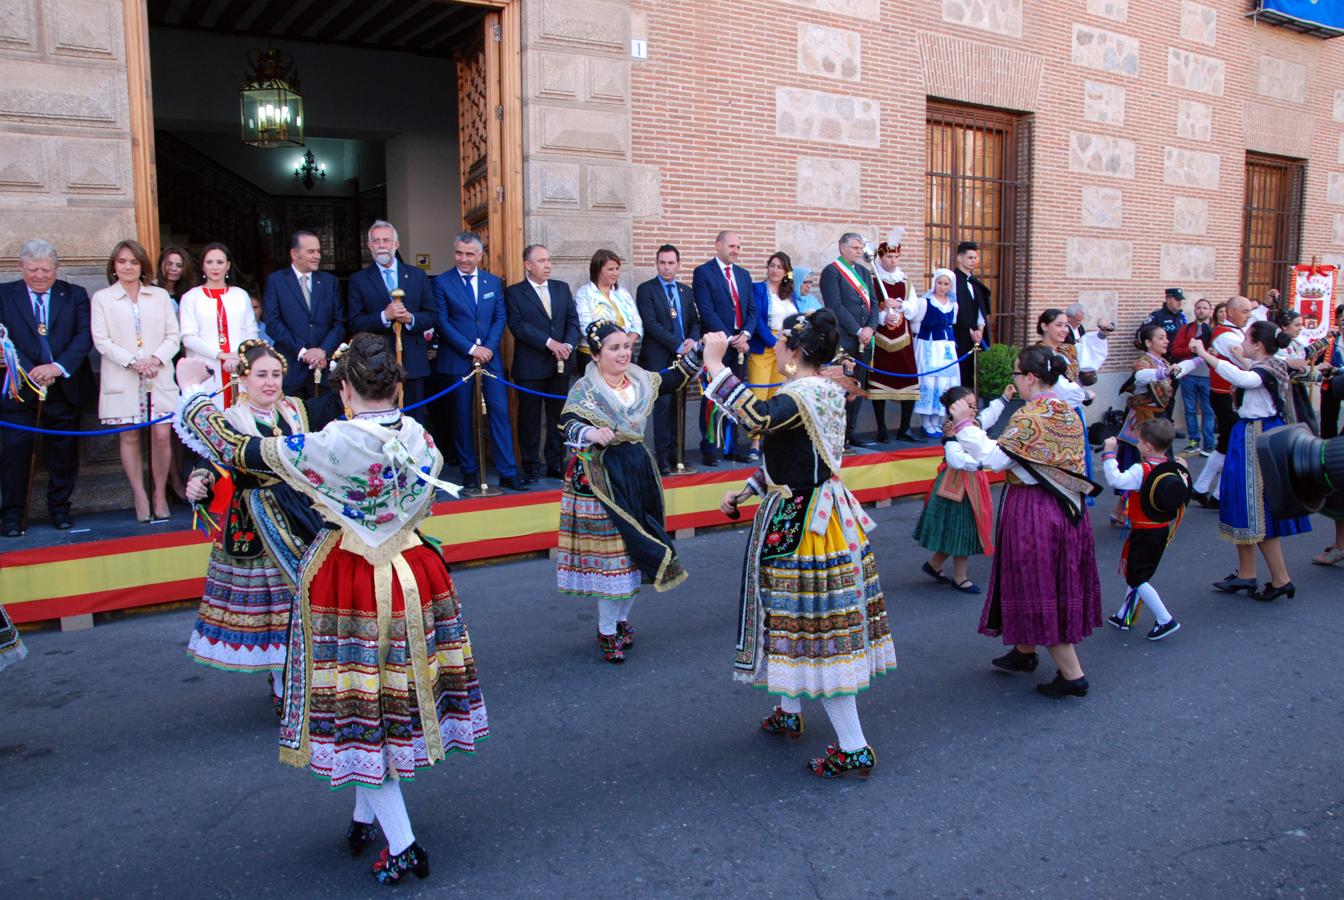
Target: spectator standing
304	314
135	331
847	291
726	302
470	315
48	321
175	273
973	308
1195	384
1076	314
1169	316
370	307
671	327
216	317
545	327
602	299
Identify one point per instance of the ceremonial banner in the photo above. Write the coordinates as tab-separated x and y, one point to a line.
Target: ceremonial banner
1313	294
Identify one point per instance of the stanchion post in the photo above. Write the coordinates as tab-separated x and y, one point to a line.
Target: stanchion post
479	414
975	373
679	406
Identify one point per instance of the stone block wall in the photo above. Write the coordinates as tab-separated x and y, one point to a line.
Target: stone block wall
1142	114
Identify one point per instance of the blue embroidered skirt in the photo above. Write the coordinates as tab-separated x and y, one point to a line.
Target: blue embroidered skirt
1243	513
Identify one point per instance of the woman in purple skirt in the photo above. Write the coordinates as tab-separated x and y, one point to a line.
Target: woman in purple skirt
1044	588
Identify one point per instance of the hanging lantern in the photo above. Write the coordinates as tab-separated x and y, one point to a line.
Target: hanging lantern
272	107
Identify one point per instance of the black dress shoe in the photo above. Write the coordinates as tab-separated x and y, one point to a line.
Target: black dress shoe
1208	501
1231	584
859	442
664	469
512	483
11	529
1270	592
61	521
883	436
556	473
471	479
905	435
1016	661
708	458
529	478
1062	687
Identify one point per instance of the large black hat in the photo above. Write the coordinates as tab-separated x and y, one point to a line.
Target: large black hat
1165	491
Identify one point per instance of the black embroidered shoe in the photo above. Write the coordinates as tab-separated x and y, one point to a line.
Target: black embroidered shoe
360	835
780	722
390	869
837	763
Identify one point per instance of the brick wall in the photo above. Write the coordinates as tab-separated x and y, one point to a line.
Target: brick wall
794	121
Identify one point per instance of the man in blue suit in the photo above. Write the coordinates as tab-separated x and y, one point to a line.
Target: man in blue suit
48	321
304	315
725	302
370	308
470	314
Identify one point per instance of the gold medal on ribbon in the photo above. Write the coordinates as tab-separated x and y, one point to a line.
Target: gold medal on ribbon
42	329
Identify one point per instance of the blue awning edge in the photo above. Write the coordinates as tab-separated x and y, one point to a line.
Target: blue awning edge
1321	18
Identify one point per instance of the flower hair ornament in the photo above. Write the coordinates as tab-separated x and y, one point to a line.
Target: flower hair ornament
336	355
597	330
247	346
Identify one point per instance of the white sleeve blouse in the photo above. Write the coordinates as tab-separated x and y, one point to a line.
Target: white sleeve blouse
1256	401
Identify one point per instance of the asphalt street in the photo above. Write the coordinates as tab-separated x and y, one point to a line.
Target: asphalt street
1205	765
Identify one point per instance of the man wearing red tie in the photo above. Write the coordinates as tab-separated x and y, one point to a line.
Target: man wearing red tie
846	289
725	302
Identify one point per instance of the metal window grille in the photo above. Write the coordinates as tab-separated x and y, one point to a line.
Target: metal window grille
979	189
1272	224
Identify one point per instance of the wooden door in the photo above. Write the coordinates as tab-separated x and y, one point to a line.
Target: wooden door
480	116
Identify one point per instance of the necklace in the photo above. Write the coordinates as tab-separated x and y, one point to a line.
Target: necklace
269	418
378	413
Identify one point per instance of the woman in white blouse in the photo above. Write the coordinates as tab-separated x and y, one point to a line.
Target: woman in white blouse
931	319
135	331
603	299
1244	516
216	318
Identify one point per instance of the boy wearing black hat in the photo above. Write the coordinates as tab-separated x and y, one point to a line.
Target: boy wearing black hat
1159	489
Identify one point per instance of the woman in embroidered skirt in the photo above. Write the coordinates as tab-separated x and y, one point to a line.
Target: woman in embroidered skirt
1044	588
893	344
11	646
812	621
958	516
1265	401
1150	386
931	319
216	317
612	533
381	681
265	528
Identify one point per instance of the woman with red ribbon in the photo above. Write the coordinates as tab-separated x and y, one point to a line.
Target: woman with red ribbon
216	317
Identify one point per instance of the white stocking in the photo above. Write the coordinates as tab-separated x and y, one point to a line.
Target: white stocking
844	715
1208	476
278	684
363	808
791	704
608	611
623	613
933	423
1148	594
390	809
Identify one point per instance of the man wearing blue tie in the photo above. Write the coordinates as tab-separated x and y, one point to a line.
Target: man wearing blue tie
671	326
304	316
470	314
372	308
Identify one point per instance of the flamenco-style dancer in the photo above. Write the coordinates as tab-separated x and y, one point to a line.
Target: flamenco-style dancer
252	576
812	619
1045	588
11	645
612	531
1264	401
380	677
958	516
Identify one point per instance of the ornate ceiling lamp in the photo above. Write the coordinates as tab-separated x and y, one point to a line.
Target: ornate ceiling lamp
272	107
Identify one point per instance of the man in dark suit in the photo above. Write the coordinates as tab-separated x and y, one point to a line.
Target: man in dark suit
48	321
725	302
671	326
972	308
847	291
469	316
370	307
1076	314
304	314
545	327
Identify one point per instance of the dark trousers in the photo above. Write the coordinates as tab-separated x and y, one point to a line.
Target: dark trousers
437	415
1329	413
665	427
880	414
1224	418
414	392
740	444
531	436
501	434
854	405
60	454
967	365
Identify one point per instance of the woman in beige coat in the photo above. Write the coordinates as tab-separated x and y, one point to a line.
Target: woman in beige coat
136	334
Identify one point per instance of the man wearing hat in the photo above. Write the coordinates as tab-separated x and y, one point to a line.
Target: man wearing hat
1169	316
1159	489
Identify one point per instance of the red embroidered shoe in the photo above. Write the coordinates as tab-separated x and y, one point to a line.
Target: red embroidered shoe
780	722
837	763
610	646
625	635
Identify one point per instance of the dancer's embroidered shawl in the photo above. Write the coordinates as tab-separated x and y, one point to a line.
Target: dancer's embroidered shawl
1046	438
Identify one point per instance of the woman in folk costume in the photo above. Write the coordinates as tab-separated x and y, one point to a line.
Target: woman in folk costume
958	516
216	317
812	621
1085	355
380	677
265	528
774	304
1150	386
612	532
931	318
893	343
1044	588
11	646
1302	357
1264	401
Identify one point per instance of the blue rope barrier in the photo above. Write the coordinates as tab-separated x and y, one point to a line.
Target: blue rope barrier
954	362
443	393
519	387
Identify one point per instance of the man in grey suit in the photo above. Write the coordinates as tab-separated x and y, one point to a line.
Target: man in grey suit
847	291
